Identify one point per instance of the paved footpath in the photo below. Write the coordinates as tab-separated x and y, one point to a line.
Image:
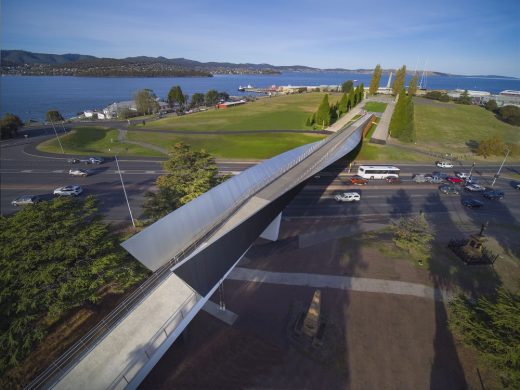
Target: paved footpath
340	282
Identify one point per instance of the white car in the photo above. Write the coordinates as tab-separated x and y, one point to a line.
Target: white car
462	175
474	187
444	164
348	197
68	191
78	172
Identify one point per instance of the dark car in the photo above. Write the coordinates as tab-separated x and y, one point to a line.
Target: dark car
393	179
358	180
493	194
25	200
472	203
449	190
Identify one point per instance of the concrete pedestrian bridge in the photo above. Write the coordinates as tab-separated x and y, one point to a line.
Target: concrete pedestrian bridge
191	251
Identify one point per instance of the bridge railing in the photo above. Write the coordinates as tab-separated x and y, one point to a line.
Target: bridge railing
69	358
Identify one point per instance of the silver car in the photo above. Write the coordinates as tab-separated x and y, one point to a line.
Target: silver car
25	200
68	191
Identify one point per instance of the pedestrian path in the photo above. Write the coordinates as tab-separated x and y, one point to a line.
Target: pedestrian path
340	282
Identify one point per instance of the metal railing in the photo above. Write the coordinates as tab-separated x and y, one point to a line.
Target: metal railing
67	360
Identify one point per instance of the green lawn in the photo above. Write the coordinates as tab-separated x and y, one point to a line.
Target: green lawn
289	112
456	128
375	106
243	146
94	140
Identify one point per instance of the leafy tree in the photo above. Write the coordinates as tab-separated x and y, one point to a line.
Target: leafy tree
176	97
197	99
464	98
347	86
323	114
491	105
491	146
223	96
412	87
145	102
376	77
509	114
400	76
414	235
402	122
189	175
54	256
343	104
211	97
53	116
492	327
9	125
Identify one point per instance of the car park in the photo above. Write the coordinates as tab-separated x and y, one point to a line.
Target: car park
449	189
472	203
93	160
358	180
474	187
68	191
79	172
444	164
462	175
24	200
393	180
454	180
493	194
348	197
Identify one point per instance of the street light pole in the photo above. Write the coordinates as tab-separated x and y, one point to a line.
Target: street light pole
124	190
499	169
57	136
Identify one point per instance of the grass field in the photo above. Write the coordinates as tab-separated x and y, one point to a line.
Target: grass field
288	112
94	140
244	146
375	107
456	128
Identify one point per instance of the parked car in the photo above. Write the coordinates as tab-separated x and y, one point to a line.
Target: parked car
454	180
348	197
393	180
358	180
444	164
68	191
474	187
78	172
449	189
419	178
73	160
442	175
25	200
472	203
462	175
493	194
93	160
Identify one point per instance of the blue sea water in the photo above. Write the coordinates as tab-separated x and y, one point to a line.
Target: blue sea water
30	97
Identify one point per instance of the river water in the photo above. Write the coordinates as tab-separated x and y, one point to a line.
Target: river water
30	97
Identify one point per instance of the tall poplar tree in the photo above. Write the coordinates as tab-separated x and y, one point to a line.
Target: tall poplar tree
412	88
399	80
376	77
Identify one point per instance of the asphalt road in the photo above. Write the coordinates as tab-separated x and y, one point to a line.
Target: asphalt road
24	172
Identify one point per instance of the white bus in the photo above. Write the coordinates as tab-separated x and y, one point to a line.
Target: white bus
377	171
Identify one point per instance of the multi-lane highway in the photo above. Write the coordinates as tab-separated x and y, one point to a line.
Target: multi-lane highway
23	171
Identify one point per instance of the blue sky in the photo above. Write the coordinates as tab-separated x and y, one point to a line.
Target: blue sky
456	36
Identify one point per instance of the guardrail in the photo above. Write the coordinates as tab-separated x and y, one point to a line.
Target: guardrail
67	360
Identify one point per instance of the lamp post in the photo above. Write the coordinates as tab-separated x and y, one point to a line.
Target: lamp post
124	190
57	136
499	169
